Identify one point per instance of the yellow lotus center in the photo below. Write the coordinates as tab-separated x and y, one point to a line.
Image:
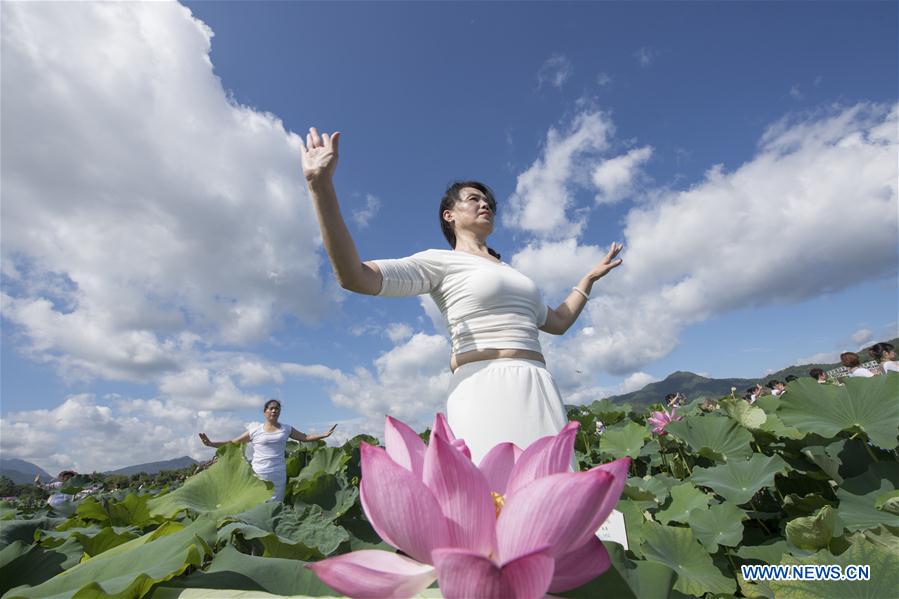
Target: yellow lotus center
498	502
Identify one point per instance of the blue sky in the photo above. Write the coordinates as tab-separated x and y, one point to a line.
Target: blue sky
161	267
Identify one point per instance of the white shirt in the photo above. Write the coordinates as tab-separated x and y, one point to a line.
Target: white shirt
891	365
486	304
863	372
268	448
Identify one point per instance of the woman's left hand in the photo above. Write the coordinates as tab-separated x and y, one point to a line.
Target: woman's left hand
330	430
607	263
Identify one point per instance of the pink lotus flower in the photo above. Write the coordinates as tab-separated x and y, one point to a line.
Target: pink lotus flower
519	525
660	420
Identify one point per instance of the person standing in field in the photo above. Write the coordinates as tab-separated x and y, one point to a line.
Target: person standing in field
500	390
269	442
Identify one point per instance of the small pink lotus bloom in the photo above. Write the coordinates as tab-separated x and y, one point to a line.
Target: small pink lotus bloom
520	525
660	420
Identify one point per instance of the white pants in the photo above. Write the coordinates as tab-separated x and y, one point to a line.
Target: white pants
508	399
279	478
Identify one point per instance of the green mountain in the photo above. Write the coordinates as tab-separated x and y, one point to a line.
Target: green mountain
154	467
21	472
693	385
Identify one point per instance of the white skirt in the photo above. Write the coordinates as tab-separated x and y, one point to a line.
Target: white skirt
279	478
507	399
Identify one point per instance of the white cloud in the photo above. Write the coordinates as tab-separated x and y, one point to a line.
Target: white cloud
555	71
88	435
398	331
615	177
141	205
646	55
862	336
557	265
363	216
814	211
603	80
545	191
795	92
827	357
635	382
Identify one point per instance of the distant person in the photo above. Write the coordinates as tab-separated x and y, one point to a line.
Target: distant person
269	442
675	400
850	360
885	354
819	375
754	393
57	500
777	388
790	378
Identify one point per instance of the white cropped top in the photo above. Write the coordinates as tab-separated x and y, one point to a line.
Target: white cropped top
487	305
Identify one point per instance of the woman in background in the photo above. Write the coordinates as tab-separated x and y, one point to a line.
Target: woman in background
269	442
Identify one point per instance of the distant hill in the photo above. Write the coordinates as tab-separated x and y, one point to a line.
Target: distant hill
154	467
693	385
21	472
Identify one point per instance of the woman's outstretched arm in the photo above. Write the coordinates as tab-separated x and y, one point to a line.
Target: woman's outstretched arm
560	320
295	434
319	157
244	438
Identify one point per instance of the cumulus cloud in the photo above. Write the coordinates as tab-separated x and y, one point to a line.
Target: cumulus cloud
862	336
362	216
546	191
614	178
398	331
603	80
108	430
557	265
554	71
140	203
813	212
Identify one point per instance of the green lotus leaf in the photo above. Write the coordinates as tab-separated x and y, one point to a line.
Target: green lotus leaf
715	437
814	532
130	569
330	492
26	564
626	579
720	524
883	583
623	441
797	506
738	481
94	539
649	491
306	533
858	497
770	553
609	412
881	536
330	460
228	487
7	511
24	530
680	551
231	569
826	457
888	502
869	405
633	524
774	425
684	499
130	511
749	416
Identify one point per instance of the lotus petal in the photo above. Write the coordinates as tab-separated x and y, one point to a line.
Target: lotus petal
580	566
561	511
618	469
373	573
404	446
497	465
463	495
441	427
401	509
465	574
544	457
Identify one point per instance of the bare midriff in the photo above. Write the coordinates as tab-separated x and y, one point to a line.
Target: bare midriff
478	355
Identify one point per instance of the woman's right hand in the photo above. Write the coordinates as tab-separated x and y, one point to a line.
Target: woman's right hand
205	440
319	155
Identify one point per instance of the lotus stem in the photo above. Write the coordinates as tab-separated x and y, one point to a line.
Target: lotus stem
752	503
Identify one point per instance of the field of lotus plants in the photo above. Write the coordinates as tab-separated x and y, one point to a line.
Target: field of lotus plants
808	478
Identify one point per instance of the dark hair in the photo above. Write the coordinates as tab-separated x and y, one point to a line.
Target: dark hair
878	349
815	373
752	390
670	396
790	378
773	383
270	402
449	199
849	359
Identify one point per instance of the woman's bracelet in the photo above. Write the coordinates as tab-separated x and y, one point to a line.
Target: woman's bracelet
586	297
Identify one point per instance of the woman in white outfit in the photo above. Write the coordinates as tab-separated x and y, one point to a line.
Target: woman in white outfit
269	443
500	390
885	354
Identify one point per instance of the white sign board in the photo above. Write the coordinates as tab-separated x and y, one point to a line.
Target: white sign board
613	529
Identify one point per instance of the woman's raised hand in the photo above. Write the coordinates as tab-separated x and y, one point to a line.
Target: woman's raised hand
205	440
607	263
319	155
